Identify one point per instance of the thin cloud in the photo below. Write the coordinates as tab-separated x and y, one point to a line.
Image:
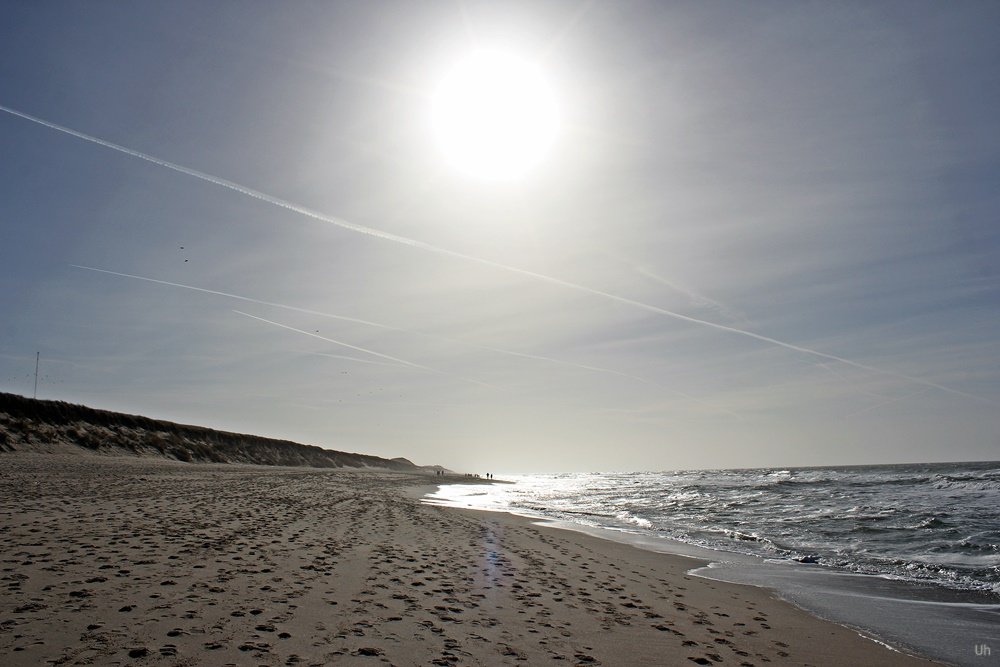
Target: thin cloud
387	236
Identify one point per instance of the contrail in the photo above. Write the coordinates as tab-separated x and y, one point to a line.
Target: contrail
387	236
498	350
238	297
598	369
887	402
360	361
697	299
837	374
365	350
356	320
339	342
538	357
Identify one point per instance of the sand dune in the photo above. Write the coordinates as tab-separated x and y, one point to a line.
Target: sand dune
143	561
30	425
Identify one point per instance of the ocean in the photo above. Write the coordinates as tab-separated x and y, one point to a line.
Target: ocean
918	543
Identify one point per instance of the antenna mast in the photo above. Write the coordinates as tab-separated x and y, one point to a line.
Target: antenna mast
35	395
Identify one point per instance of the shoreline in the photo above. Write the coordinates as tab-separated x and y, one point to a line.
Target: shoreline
114	561
717	566
910	617
690	565
704	561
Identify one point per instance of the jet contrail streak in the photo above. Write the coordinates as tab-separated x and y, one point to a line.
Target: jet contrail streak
887	402
345	318
379	325
360	361
837	374
368	231
365	350
356	320
238	297
538	357
338	342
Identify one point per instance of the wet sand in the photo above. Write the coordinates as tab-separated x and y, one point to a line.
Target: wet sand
131	561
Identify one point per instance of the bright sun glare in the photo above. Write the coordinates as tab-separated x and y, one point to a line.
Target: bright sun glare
494	116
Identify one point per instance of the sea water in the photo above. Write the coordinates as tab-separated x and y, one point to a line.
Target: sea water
909	553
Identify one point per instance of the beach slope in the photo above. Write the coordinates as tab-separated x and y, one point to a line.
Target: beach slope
118	560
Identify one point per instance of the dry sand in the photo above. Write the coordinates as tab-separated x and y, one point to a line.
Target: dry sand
115	561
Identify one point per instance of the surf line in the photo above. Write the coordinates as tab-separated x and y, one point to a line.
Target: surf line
403	240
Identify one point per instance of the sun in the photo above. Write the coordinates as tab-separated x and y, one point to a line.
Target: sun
494	116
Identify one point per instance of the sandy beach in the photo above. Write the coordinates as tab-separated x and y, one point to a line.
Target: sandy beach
130	561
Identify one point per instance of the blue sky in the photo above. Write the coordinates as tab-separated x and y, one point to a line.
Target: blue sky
822	177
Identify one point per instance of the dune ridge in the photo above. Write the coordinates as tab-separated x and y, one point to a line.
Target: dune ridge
33	425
